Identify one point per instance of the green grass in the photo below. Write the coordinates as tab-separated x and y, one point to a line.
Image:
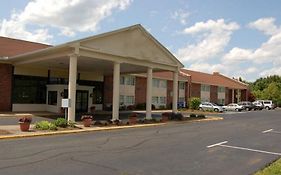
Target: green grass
272	169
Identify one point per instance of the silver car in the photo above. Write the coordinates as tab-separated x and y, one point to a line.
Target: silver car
233	107
207	106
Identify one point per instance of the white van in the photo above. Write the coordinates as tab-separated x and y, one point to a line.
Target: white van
268	104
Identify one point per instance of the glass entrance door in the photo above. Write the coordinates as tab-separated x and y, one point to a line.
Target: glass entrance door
81	101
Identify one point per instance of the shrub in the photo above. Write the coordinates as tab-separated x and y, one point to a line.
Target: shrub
192	115
142	106
201	116
71	124
178	116
60	122
194	103
52	126
131	107
44	125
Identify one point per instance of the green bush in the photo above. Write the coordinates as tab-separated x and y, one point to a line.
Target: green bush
61	122
194	103
45	125
192	115
201	116
53	127
71	124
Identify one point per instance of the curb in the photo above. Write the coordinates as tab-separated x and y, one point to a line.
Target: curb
78	131
211	118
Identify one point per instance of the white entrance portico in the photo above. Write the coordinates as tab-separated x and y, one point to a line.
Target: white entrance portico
124	51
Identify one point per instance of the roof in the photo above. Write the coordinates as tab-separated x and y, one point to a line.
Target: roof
165	75
46	49
10	47
216	79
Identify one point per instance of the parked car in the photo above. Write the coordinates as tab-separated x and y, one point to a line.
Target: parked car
233	107
268	104
248	106
258	105
207	106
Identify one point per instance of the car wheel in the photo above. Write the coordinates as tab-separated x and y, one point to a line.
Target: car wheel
237	110
216	110
267	108
247	109
201	109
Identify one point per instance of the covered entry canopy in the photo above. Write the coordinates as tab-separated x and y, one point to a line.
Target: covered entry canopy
127	50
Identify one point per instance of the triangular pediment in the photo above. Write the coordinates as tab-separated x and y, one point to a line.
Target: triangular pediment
132	42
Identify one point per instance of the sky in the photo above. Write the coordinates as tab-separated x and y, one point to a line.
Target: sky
238	38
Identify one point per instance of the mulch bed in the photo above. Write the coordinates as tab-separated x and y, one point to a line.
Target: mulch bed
4	132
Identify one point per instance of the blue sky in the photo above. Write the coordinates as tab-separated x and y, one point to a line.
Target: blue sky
240	38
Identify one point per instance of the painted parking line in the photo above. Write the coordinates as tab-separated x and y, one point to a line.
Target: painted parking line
223	144
271	131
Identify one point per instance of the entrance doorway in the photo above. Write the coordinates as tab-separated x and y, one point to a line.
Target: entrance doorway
81	101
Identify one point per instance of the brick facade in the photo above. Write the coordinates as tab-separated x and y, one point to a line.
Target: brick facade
169	95
107	90
140	91
227	96
214	94
195	90
6	72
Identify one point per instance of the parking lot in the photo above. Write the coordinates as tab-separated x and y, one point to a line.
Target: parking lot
242	143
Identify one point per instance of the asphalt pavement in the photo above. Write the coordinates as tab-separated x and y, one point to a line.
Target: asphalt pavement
242	143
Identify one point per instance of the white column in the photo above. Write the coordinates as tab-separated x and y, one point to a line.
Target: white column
232	95
175	91
148	93
72	86
116	85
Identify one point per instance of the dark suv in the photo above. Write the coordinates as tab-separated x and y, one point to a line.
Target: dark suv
247	105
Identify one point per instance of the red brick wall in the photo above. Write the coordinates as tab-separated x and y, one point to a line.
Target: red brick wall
214	94
140	91
6	76
244	95
227	96
169	90
195	90
108	90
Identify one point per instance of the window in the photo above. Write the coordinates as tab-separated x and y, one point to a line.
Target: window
221	89
52	97
181	85
159	100
181	99
162	100
127	100
29	89
127	80
154	100
159	83
221	101
205	99
205	88
122	80
121	100
97	95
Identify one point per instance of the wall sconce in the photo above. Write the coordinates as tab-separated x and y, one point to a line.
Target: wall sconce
62	94
91	95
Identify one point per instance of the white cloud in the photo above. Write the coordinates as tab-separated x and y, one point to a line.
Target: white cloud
213	37
268	52
180	15
265	25
206	67
68	16
272	71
